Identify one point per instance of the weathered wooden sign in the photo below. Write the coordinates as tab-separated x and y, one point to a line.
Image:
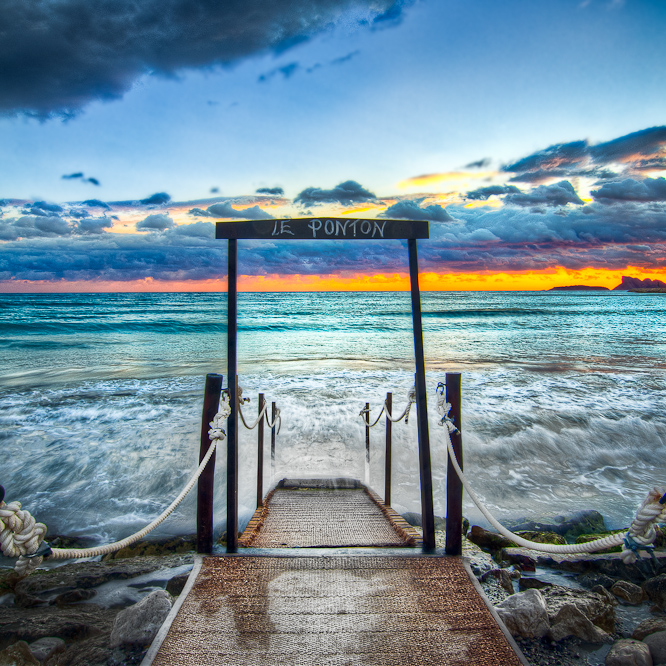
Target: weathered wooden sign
323	228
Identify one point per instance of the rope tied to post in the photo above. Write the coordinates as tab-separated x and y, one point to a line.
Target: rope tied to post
411	399
22	536
640	535
262	414
443	409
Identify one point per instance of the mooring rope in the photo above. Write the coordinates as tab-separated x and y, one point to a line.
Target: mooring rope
411	399
277	419
21	536
640	535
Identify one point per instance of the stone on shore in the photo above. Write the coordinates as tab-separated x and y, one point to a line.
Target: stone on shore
655	588
45	648
581	522
138	625
587	615
628	592
628	652
650	626
525	614
657	644
18	655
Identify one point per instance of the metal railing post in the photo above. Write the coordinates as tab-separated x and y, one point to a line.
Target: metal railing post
454	487
260	453
205	485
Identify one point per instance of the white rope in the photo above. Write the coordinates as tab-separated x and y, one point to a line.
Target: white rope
257	420
411	399
23	535
641	531
277	419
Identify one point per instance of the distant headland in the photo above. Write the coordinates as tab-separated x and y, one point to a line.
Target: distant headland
627	284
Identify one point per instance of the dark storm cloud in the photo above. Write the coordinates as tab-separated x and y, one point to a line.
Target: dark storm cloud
345	58
95	203
287	72
484	192
79	176
58	55
410	210
72	176
157	199
43	208
559	194
649	189
93	225
639	150
157	222
346	193
225	209
274	191
644	143
93	181
479	164
510	238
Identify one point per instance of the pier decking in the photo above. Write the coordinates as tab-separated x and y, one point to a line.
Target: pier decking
331	606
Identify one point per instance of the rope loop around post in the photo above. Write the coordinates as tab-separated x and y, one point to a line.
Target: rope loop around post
411	399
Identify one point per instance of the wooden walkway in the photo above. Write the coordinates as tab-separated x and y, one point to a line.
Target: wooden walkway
299	608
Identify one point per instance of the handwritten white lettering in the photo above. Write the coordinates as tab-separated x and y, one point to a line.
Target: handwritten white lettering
329	227
366	227
353	225
275	229
285	228
315	225
341	225
379	229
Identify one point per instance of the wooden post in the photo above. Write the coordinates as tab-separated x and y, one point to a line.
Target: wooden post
274	413
367	444
232	421
387	458
454	487
425	468
260	453
205	485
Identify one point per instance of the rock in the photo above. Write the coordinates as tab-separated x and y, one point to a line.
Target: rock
18	655
657	644
182	544
138	625
627	652
488	540
592	580
581	522
605	593
503	577
415	520
525	614
587	538
628	592
73	597
520	559
650	626
636	283
532	584
655	589
580	613
44	648
543	537
176	584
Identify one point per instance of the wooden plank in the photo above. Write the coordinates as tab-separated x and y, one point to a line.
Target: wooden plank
454	487
324	228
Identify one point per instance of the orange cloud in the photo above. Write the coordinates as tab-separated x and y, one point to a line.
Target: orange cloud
445	177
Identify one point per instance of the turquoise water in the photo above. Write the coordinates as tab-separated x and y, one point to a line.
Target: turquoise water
564	397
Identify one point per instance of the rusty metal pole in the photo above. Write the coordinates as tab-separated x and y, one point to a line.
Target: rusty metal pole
387	459
425	467
205	485
260	453
232	421
274	412
454	487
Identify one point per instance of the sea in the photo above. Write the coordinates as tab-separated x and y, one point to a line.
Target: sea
563	399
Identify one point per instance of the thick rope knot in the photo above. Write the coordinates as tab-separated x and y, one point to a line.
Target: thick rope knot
20	536
411	397
217	430
642	531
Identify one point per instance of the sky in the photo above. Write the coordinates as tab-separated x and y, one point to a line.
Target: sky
531	136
